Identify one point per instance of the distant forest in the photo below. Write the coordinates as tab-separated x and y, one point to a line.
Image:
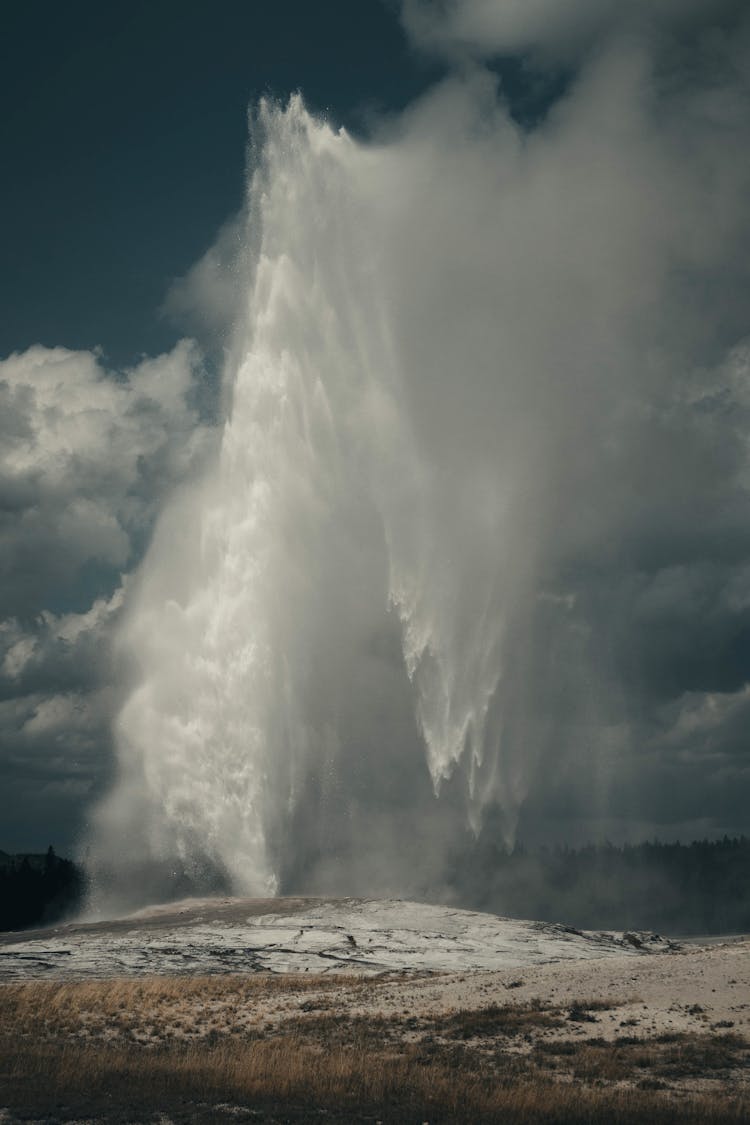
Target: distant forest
674	889
38	890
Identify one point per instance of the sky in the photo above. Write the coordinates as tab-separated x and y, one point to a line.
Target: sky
125	130
557	196
124	133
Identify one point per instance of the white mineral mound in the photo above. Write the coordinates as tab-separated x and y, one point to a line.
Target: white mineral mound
304	935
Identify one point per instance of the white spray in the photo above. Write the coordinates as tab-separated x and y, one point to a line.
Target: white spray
458	354
250	620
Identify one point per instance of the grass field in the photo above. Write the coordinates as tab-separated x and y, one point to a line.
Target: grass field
297	1049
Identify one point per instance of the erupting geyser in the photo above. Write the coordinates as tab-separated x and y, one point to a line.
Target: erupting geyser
446	513
325	527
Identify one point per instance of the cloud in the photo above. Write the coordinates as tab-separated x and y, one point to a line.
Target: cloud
86	459
54	760
55	652
477	522
483	28
208	298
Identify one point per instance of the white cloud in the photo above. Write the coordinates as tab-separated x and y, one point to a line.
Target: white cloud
489	27
19	653
86	458
210	294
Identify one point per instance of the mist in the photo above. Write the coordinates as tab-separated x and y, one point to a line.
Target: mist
474	534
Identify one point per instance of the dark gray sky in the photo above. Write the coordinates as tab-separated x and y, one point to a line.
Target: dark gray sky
123	136
620	261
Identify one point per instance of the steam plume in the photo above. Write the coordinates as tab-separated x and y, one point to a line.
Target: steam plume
484	387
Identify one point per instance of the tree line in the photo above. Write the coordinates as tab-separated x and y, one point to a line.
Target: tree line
676	889
38	890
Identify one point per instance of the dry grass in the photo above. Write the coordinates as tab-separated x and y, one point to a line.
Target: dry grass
287	1076
158	1008
123	1050
499	1020
664	1057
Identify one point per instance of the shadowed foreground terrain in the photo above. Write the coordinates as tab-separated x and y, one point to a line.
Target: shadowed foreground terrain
392	1048
373	1011
302	1050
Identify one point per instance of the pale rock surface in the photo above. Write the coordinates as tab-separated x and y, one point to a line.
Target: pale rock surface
305	935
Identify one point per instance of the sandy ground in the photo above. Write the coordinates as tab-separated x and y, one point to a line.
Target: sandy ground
694	989
425	960
579	1008
429	960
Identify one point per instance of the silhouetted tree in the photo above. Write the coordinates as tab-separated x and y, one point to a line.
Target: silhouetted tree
38	890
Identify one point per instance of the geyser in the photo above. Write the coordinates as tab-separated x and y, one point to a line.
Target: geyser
463	392
260	631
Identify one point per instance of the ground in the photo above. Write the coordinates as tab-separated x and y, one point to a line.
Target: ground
566	1028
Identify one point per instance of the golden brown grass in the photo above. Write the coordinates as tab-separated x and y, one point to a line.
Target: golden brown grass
160	1007
493	1020
122	1050
662	1058
286	1074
